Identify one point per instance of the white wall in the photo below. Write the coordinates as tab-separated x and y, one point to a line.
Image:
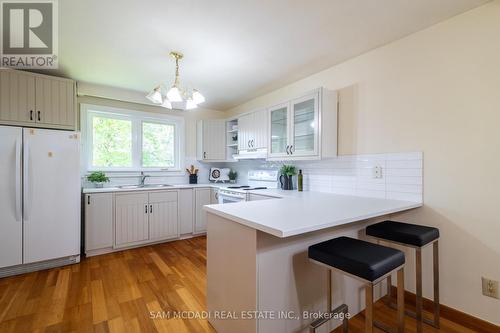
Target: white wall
436	91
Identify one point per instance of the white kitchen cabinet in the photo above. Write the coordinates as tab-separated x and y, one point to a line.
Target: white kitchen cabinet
186	210
244	129
304	128
17	97
131	218
202	198
211	140
35	100
98	221
163	215
55	100
252	131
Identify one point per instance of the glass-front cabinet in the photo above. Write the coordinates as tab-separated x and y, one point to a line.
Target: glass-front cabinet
294	128
279	138
305	126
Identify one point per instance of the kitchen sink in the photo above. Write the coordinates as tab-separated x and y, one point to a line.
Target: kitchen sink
156	185
143	186
130	186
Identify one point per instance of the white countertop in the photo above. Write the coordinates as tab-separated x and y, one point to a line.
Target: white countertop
151	187
293	213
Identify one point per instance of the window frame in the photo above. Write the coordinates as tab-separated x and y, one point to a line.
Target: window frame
88	111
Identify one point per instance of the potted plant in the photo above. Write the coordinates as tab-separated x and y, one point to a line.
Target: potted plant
98	178
287	172
232	175
193	174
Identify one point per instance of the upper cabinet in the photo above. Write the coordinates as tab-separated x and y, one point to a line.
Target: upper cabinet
34	100
252	137
211	140
304	128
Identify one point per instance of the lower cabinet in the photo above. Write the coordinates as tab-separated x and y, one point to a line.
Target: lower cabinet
163	215
131	218
203	196
123	219
186	210
98	221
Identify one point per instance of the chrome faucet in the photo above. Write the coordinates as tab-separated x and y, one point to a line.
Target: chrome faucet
143	178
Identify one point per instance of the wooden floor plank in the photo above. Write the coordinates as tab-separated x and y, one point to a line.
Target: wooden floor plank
117	292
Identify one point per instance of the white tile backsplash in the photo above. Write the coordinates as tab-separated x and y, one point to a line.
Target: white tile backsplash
402	174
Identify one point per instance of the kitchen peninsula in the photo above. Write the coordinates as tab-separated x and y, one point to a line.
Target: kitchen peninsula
271	237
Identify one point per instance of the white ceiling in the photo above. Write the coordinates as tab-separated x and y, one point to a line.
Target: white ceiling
234	49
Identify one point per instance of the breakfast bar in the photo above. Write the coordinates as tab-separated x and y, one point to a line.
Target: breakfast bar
259	278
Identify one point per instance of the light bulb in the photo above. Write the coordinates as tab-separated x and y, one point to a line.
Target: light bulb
198	97
174	95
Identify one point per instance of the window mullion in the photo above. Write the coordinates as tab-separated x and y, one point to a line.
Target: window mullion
136	144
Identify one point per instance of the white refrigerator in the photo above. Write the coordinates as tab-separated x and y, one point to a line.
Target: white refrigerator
39	198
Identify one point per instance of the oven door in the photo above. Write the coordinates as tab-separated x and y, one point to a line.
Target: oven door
225	198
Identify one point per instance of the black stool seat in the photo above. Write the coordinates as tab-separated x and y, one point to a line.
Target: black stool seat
405	233
363	259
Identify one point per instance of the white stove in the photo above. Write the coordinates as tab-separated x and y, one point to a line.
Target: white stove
257	180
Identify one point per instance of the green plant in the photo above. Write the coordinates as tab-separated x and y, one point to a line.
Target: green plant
232	175
97	177
288	170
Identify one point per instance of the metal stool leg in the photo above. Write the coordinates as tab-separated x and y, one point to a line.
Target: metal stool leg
418	270
401	301
369	308
389	289
419	299
340	309
435	256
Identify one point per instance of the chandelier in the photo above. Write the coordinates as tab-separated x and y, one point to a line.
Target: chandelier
176	97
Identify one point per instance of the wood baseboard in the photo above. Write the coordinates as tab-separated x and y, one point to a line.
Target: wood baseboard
452	314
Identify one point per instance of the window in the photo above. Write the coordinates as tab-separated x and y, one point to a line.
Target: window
111	142
158	145
124	140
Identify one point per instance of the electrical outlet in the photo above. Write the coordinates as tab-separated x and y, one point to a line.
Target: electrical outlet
377	172
490	288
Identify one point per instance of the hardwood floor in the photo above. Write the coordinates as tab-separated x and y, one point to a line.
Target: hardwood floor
117	292
111	293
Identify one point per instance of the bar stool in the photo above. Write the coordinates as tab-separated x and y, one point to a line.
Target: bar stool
366	262
417	237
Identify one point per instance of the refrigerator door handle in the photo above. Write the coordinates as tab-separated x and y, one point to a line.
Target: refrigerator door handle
26	182
18	181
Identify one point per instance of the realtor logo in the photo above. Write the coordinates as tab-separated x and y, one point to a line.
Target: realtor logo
29	34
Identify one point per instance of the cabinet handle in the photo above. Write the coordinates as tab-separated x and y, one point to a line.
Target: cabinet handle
38	116
204	154
146	209
287	152
248	143
31	115
88	199
291	149
150	209
253	143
